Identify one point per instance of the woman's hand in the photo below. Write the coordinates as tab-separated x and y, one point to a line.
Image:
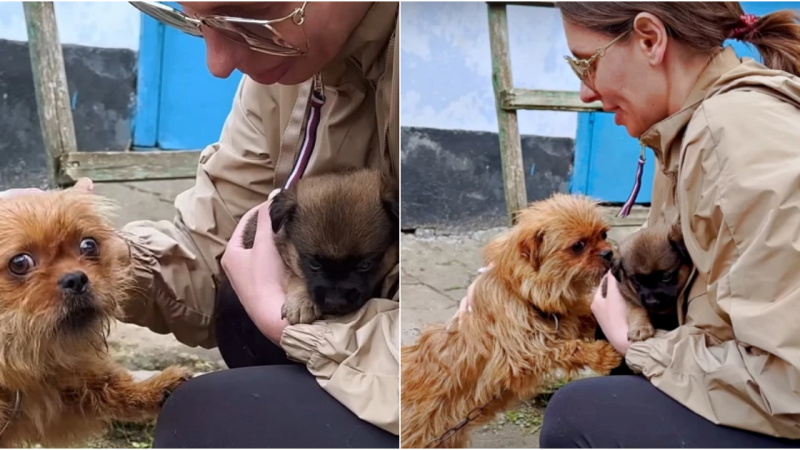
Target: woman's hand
258	274
84	184
612	315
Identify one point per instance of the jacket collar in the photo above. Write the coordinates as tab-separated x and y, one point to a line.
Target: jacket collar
661	136
366	46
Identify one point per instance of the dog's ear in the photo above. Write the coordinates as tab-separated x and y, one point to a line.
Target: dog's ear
531	248
678	244
390	196
282	209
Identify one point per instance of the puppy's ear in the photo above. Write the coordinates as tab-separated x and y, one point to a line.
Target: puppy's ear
531	248
282	209
676	241
390	196
617	270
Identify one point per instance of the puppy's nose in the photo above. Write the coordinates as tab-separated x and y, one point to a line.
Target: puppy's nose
606	254
74	282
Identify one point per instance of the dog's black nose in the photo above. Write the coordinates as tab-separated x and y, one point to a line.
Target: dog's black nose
74	282
606	254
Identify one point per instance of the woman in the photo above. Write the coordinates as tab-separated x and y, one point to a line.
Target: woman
320	92
725	133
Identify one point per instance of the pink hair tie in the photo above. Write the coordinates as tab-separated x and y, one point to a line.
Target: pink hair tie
745	32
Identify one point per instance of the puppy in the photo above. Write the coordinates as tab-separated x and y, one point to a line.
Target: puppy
63	278
531	317
652	269
338	235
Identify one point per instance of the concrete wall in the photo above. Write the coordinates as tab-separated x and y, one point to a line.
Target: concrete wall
451	171
100	40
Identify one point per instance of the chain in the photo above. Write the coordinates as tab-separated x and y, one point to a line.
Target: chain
472	415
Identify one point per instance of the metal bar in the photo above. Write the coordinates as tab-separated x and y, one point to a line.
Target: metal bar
516	99
508	129
50	84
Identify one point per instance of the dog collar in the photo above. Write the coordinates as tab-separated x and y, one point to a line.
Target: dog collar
14	412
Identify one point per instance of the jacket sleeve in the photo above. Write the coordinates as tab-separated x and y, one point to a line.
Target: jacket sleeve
176	264
356	360
748	195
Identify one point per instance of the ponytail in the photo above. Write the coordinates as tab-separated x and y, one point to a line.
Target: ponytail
776	36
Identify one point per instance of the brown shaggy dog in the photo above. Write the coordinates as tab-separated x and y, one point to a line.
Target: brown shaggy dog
530	317
63	275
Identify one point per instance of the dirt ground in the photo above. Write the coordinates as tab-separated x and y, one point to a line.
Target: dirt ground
436	271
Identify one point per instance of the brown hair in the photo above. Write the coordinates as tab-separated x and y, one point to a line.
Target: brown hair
703	26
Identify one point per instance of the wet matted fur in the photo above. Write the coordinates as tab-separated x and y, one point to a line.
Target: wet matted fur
530	317
63	277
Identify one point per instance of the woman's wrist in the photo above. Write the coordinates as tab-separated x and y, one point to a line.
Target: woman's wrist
265	312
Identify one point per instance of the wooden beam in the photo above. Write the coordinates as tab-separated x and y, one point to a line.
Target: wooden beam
508	129
516	99
130	166
538	4
50	84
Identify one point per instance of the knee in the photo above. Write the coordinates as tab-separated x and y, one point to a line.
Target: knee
561	426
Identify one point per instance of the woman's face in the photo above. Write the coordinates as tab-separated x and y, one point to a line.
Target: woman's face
327	26
629	80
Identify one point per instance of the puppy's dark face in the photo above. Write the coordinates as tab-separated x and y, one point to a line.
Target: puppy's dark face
339	232
653	268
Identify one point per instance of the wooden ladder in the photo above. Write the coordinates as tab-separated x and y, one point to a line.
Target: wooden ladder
508	100
65	163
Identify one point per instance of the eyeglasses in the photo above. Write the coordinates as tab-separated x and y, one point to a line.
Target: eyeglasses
584	68
256	34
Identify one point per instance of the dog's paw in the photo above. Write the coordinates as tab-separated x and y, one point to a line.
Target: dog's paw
641	332
297	312
169	379
602	357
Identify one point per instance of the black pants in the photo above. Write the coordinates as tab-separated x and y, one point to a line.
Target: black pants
263	401
627	411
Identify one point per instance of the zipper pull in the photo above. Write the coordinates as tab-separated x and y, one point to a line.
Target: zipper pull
637	185
317	87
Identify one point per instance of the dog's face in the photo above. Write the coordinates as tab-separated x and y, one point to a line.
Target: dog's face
558	248
341	232
61	273
653	267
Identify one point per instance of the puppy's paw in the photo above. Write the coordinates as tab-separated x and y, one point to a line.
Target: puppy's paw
168	380
297	311
641	332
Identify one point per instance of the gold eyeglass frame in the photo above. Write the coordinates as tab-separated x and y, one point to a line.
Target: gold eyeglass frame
231	27
583	68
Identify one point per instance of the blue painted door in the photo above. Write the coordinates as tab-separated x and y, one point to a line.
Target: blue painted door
180	105
605	155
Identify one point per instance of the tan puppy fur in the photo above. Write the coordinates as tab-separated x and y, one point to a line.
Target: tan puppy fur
652	269
338	236
63	276
531	316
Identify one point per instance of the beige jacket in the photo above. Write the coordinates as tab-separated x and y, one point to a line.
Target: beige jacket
729	167
177	263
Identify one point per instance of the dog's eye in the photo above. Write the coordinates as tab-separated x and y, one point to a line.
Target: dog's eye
364	266
89	247
314	265
21	264
578	246
604	236
667	277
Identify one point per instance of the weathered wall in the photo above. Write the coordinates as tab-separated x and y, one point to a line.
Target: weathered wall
102	85
101	41
452	180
